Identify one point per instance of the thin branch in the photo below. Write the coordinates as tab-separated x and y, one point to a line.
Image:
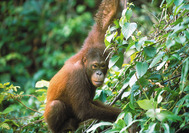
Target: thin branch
31	96
170	79
118	96
25	105
32	123
181	128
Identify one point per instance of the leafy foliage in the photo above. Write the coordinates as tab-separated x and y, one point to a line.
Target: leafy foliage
13	102
152	87
32	30
149	66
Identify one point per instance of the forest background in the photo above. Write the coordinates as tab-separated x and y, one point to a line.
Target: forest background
148	77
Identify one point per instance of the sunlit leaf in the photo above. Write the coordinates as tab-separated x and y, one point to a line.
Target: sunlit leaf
110	37
160	98
145	104
120	123
133	80
166	128
125	128
113	60
94	127
160	65
128	118
151	128
167	115
152	113
128	29
156	59
170	43
6	84
42	83
180	39
139	44
125	94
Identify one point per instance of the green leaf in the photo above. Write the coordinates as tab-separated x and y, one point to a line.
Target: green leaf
180	104
80	8
128	29
151	128
132	100
111	36
180	39
128	14
145	104
8	110
140	43
143	82
113	131
156	59
133	80
41	90
119	63
167	115
150	51
178	2
160	65
170	43
103	96
128	118
166	128
120	124
141	68
152	113
98	93
186	7
169	2
4	125
178	9
184	74
125	128
162	3
160	98
125	94
94	127
113	60
6	84
1	98
186	32
127	80
186	88
11	122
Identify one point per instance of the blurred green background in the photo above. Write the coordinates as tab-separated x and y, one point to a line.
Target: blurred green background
38	36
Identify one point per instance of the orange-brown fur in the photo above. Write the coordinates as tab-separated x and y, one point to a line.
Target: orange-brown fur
70	94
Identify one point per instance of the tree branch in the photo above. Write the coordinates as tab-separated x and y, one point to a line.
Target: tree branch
25	105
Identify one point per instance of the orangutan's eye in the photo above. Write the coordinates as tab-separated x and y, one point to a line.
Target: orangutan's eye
94	66
103	66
